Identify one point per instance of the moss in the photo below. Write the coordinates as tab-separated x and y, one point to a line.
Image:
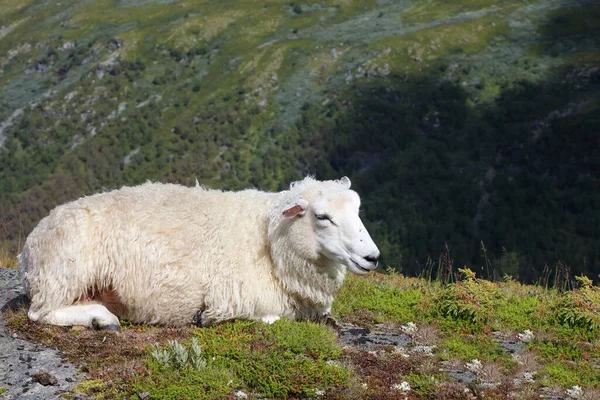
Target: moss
279	360
468	347
93	387
384	300
568	374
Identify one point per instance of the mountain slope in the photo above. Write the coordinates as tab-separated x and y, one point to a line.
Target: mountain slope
459	122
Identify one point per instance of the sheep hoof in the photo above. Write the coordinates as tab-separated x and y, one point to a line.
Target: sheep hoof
111	327
199	321
107	327
332	322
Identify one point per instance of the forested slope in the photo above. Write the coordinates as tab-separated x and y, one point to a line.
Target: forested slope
458	122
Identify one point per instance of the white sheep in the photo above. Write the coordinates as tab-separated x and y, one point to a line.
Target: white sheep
169	254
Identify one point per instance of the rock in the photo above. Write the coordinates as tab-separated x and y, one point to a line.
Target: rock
143	395
463	376
20	359
509	344
364	339
44	379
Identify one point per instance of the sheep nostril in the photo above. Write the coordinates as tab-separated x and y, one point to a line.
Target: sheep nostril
372	259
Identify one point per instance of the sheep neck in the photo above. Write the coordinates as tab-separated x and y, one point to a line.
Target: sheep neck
310	282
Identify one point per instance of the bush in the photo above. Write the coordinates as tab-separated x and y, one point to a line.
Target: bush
472	300
579	308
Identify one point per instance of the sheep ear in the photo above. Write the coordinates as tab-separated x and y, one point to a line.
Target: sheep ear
345	181
298	207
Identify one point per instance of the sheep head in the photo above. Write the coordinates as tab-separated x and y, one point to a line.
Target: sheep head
338	232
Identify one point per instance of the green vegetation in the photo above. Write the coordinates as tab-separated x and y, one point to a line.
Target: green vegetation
460	123
286	359
532	351
579	308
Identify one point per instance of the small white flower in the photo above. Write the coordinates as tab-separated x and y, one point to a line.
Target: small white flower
575	392
364	385
528	376
489	384
319	392
409	328
401	351
240	395
402	387
427	350
474	365
526	337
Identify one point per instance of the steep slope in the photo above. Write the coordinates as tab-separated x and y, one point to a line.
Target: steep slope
459	122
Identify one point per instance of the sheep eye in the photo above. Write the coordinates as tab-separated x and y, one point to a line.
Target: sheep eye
323	217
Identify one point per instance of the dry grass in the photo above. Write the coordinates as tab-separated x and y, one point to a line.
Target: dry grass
427	335
380	372
528	361
7	261
109	356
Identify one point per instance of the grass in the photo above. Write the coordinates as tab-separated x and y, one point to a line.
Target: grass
459	323
286	359
431	10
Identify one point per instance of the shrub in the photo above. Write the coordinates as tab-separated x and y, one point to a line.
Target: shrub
472	300
579	308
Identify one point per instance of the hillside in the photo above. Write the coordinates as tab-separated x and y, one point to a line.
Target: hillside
397	338
459	123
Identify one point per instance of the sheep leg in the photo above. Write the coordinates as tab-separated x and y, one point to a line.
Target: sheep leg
94	316
203	320
328	319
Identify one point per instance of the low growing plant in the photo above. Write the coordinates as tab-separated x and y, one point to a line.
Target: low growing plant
473	300
281	360
579	308
177	356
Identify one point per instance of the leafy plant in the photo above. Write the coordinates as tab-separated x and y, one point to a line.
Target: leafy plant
175	355
472	300
579	308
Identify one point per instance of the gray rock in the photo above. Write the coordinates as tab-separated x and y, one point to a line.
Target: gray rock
44	379
466	377
509	344
28	370
364	339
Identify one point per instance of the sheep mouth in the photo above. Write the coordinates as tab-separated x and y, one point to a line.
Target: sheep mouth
359	267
